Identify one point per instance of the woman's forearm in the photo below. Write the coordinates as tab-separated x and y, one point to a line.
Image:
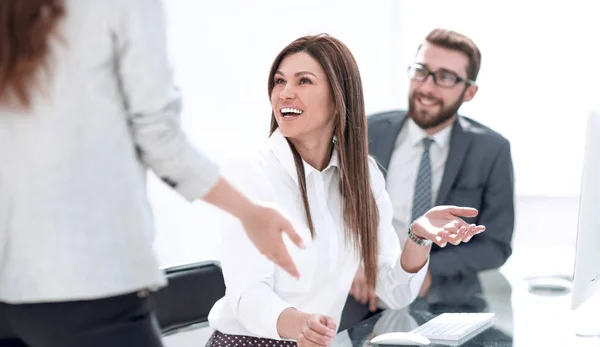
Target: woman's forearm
226	197
290	322
414	256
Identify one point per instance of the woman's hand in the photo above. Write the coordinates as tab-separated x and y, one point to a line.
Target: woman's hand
362	292
317	331
443	224
265	227
263	223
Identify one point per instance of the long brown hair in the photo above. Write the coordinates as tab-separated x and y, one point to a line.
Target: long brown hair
25	28
361	216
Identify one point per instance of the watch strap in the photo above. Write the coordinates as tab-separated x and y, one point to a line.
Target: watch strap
416	239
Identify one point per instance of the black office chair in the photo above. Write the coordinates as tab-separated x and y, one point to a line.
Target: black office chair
192	291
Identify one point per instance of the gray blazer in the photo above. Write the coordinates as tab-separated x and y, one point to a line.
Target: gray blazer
75	222
479	174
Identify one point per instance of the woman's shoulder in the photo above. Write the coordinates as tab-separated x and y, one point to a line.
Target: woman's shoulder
247	168
252	158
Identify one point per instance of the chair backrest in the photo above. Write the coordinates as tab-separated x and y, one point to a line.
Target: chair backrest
192	291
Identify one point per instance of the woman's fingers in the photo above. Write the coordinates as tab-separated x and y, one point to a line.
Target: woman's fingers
463	234
474	230
316	338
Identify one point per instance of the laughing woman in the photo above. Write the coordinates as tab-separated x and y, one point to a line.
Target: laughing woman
315	167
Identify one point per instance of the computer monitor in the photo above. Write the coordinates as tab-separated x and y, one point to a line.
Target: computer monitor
586	274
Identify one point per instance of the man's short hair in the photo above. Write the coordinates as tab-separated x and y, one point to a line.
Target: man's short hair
458	42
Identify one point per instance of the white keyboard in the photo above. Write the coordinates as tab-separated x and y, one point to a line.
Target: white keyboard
454	326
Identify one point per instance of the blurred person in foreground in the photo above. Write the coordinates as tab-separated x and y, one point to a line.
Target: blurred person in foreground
87	102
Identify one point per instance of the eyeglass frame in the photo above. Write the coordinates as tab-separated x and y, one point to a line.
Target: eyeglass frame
459	79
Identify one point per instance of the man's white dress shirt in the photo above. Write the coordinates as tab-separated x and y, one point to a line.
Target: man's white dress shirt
403	168
257	290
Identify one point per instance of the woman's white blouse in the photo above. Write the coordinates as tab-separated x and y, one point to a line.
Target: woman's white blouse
257	290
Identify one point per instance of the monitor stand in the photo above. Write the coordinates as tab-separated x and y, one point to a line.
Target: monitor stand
587	318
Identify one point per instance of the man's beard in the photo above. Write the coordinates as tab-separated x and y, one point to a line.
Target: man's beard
423	118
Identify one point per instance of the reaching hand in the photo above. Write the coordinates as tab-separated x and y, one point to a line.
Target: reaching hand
317	331
361	291
443	224
265	227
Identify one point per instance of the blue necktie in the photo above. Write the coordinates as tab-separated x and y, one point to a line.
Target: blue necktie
422	195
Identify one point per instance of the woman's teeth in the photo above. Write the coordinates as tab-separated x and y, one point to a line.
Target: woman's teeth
290	111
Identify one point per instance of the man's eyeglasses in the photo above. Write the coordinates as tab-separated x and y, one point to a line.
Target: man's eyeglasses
442	78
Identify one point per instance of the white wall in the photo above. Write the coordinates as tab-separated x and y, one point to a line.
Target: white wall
537	82
538	78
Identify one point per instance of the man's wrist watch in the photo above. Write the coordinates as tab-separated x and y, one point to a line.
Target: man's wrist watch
416	239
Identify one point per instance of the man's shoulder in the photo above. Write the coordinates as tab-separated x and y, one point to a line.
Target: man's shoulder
482	134
379	117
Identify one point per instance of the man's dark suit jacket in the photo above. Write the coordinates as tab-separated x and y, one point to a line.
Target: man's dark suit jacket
479	174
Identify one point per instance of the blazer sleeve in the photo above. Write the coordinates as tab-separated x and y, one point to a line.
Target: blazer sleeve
152	101
491	248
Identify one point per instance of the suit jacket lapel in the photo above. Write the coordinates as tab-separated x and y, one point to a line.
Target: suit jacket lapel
384	138
460	139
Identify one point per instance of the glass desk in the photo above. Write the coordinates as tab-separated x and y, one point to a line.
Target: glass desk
522	318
